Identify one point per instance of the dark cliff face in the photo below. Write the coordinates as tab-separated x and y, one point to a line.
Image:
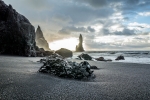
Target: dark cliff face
40	40
17	35
79	47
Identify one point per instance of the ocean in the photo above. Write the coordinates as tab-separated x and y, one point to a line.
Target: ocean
142	57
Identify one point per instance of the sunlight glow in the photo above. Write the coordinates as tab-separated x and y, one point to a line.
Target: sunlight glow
65	43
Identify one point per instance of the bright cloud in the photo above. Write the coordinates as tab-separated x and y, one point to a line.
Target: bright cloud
144	13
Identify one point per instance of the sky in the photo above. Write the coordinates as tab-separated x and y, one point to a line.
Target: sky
104	24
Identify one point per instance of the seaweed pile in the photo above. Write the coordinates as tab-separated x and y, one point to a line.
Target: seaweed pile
57	65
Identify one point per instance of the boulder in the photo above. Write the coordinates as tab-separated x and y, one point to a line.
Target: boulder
17	35
41	52
85	57
58	66
79	47
120	58
40	40
102	59
94	67
64	52
47	53
108	60
41	49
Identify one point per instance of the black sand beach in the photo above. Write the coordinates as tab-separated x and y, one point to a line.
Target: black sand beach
19	80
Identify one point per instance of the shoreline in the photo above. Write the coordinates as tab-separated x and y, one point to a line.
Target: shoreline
72	59
19	79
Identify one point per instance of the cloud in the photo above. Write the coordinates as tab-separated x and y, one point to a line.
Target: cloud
140	27
73	29
90	29
38	4
124	31
144	13
94	3
132	2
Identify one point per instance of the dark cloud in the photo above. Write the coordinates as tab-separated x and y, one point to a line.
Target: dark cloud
132	2
83	14
38	4
126	18
125	32
72	29
90	29
94	3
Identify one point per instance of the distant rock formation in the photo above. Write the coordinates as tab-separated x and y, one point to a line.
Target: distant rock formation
79	47
17	35
40	40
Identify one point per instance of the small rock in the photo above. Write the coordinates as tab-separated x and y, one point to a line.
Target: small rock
85	57
94	67
100	59
120	58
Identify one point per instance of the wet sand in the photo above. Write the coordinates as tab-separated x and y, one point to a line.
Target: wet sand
19	80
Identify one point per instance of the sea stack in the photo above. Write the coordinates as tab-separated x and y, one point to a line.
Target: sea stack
40	40
79	47
17	35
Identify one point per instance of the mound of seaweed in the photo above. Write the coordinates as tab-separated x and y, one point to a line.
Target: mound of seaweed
56	65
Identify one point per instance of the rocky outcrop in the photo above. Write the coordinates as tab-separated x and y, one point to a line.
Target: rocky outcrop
79	47
56	65
40	52
120	58
17	35
40	40
64	52
85	57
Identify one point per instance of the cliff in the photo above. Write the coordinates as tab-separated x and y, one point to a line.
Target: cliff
40	40
17	35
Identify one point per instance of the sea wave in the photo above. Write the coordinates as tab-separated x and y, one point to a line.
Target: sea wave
130	56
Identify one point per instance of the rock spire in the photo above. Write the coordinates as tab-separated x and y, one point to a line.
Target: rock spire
79	47
40	40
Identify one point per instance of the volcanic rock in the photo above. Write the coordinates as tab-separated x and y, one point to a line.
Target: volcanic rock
120	58
40	40
94	67
40	52
85	57
47	53
102	59
17	35
79	47
64	52
56	65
